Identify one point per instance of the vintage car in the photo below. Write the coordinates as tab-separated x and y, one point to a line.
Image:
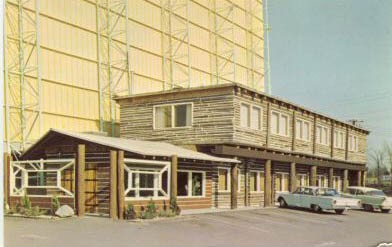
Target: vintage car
317	199
370	198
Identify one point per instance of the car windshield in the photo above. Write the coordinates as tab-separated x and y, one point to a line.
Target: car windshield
327	192
375	193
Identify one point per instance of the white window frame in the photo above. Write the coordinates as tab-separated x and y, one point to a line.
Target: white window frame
228	179
328	139
162	166
302	129
257	181
339	186
336	142
250	117
303	177
38	166
279	131
353	143
284	174
190	188
173	117
325	180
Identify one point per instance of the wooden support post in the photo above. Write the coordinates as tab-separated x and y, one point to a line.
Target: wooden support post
364	175
313	175
113	185
330	177
173	177
345	180
120	185
80	180
6	175
267	184
359	176
234	185
293	177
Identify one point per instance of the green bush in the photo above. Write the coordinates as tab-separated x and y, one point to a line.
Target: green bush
55	204
151	211
32	212
129	213
26	203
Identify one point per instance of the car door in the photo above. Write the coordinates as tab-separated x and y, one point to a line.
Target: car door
305	198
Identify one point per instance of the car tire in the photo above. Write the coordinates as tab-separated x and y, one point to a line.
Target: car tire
339	211
316	208
282	203
385	211
367	207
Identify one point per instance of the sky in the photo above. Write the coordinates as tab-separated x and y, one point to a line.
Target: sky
335	57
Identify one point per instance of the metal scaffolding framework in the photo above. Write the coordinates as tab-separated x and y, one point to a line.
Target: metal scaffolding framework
176	63
23	92
113	55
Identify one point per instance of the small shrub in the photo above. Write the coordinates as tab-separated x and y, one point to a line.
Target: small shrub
174	206
150	212
130	213
26	203
32	212
166	213
55	204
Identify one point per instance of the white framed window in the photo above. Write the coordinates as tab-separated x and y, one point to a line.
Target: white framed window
338	139
224	182
322	135
337	183
281	182
43	178
144	179
239	181
250	116
353	143
173	115
191	183
302	180
322	181
279	123
256	181
302	130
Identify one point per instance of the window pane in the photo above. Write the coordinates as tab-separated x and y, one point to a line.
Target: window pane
324	136
298	127
42	178
298	180
274	122
182	183
197	184
165	182
335	139
283	125
163	117
256	118
262	181
223	180
305	132
278	182
245	115
146	180
252	181
318	134
183	115
341	137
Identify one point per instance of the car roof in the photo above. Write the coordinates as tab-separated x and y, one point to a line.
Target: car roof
315	187
362	188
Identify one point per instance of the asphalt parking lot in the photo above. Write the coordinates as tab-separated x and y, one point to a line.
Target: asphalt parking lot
260	227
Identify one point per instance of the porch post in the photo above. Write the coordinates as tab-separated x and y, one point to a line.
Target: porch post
313	175
234	185
246	184
359	175
330	178
293	177
345	179
173	176
120	185
80	180
113	185
267	184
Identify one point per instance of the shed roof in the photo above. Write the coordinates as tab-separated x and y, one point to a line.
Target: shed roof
148	148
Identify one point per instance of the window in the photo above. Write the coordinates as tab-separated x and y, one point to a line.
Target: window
250	116
322	181
256	181
281	182
302	130
302	180
172	116
146	179
261	184
337	183
43	178
224	179
279	124
338	139
322	135
190	183
353	143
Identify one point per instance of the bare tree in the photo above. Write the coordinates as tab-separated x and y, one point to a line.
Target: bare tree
388	153
377	158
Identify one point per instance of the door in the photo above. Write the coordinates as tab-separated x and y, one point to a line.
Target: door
91	202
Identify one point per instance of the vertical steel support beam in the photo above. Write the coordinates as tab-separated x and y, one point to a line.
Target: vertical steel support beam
173	176
80	180
234	185
113	185
120	185
345	180
21	75
330	177
6	80
313	175
39	73
267	29
293	177
267	184
128	50
99	65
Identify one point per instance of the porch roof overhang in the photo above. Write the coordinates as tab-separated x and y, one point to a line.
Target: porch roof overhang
281	156
146	148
